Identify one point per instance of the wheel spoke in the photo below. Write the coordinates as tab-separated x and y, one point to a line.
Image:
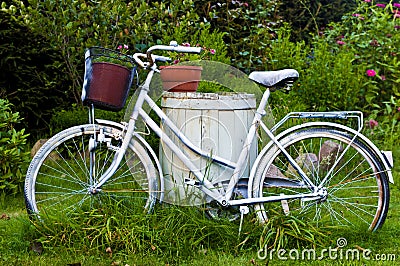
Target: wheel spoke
59	179
355	189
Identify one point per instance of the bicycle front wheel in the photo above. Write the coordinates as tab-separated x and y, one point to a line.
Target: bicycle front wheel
62	174
355	180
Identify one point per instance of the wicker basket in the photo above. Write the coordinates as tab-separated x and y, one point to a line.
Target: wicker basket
106	85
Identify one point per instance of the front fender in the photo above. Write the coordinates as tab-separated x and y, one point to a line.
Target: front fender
144	143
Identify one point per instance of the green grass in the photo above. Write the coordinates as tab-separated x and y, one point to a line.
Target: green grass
171	236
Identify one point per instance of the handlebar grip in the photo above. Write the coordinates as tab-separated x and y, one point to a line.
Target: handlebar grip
186	49
178	48
161	58
171	48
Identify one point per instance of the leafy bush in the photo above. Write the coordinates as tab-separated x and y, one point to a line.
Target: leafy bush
353	65
248	26
325	75
13	158
64	29
371	34
387	130
32	76
76	115
308	17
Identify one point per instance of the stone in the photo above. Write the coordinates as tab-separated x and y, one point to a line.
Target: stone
328	154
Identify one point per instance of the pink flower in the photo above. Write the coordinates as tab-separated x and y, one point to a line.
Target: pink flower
398	109
381	5
212	51
367	1
396	5
372	123
340	42
383	77
374	43
371	73
186	44
120	47
356	15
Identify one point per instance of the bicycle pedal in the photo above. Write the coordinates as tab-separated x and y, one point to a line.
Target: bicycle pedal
191	182
285	207
243	210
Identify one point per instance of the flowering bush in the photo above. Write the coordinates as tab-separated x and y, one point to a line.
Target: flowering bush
212	44
371	33
205	54
351	65
387	130
118	57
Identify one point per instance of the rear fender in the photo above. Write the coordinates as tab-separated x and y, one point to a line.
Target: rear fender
384	156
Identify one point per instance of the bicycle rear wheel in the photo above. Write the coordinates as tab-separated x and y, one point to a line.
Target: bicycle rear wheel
357	186
60	178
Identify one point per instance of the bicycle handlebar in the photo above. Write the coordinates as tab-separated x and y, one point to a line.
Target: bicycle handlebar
173	47
154	58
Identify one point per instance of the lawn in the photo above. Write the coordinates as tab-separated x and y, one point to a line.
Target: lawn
175	243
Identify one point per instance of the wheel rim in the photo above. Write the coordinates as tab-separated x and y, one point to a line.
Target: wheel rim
356	187
61	180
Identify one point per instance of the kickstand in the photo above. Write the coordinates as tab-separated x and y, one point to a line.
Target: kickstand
243	210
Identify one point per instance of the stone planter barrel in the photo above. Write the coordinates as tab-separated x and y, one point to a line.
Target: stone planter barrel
216	123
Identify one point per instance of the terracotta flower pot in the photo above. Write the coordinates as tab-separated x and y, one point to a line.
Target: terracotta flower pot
181	78
108	85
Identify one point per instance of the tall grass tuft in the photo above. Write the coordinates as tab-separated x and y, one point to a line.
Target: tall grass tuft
170	232
282	231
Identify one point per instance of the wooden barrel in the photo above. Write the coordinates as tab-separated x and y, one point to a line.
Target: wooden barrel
216	123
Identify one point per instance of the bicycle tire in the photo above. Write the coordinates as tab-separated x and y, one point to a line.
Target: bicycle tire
58	176
357	188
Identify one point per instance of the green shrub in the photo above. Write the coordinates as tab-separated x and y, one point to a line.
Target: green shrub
353	65
64	29
13	157
32	76
308	17
372	35
249	26
77	115
328	79
387	130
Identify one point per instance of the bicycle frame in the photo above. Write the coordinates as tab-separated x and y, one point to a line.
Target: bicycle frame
201	182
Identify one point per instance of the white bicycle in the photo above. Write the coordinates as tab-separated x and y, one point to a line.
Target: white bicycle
318	170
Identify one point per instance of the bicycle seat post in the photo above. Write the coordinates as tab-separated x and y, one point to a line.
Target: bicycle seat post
263	103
